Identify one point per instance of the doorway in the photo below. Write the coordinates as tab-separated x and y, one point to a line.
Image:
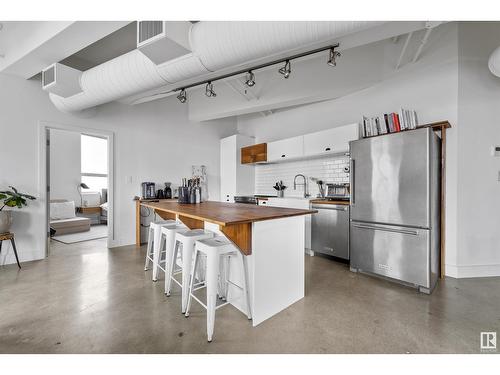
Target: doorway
76	175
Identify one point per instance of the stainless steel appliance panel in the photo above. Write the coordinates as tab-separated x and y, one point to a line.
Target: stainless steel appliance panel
390	179
398	252
330	230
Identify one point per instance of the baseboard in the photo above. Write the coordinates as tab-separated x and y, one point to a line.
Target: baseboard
477	270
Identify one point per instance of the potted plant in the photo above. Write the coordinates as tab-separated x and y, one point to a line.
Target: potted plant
11	198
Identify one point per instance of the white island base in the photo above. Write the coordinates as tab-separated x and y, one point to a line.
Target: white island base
275	267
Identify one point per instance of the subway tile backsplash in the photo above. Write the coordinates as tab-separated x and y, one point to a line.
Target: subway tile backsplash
330	169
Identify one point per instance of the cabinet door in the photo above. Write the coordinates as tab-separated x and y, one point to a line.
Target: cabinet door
254	153
228	160
289	148
331	141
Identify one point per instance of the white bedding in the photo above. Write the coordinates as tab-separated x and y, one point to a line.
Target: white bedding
62	210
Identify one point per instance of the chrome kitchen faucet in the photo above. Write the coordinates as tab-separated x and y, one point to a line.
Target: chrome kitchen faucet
306	193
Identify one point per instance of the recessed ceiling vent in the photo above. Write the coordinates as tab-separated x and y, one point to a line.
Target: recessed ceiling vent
148	30
162	41
48	76
61	80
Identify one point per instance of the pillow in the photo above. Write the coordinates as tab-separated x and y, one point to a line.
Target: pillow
91	199
62	210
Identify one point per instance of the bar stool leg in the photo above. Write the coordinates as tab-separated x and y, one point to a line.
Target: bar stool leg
187	262
211	278
244	264
149	248
15	251
227	275
156	253
171	267
191	283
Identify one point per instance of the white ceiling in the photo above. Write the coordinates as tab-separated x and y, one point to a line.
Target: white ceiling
30	46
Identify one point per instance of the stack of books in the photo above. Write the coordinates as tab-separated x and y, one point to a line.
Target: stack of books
389	123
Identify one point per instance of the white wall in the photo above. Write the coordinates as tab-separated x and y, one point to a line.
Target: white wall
65	165
153	142
478	129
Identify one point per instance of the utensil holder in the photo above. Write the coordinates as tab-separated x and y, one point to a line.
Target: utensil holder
281	193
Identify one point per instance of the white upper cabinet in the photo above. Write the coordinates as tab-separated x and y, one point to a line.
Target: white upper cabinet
331	141
290	148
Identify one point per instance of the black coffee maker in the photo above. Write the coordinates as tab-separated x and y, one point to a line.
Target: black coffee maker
167	192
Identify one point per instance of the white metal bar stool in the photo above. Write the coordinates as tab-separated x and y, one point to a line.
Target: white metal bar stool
154	244
171	254
187	240
214	249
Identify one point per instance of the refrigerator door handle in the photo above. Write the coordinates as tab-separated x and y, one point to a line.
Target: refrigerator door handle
353	185
385	229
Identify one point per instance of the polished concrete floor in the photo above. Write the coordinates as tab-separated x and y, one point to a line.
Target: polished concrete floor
87	299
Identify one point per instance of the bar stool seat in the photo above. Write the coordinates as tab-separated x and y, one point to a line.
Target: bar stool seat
168	238
215	249
154	244
186	240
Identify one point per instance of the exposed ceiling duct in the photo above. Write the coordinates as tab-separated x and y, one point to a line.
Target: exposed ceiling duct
214	46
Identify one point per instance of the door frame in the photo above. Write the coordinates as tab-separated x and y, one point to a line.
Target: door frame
43	127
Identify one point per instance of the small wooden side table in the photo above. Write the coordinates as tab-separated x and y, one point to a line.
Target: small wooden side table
93	210
6	237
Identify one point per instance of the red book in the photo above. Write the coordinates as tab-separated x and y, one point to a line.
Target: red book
395	118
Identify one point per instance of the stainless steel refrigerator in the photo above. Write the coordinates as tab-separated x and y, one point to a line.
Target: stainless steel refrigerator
395	207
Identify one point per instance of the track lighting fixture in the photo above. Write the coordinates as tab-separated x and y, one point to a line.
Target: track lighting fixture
332	58
250	79
182	96
286	70
209	90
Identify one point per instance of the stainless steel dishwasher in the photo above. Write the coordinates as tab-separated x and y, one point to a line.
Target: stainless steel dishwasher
330	230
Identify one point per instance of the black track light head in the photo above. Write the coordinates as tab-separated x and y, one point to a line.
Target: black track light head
332	57
286	70
250	79
182	96
209	90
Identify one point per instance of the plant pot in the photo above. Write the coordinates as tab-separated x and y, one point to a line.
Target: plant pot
5	221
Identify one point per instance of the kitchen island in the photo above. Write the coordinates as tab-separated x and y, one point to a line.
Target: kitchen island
271	238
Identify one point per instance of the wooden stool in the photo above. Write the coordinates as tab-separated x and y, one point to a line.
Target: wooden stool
9	236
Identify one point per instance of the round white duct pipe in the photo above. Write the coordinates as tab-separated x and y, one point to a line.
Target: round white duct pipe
494	62
222	44
214	45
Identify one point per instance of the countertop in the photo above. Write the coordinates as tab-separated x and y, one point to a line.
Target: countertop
225	214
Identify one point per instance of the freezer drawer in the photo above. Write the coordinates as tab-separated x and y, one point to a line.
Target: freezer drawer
401	253
330	230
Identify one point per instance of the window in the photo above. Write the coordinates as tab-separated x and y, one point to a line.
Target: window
94	162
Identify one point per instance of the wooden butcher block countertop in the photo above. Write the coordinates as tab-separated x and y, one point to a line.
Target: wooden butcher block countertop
325	201
225	214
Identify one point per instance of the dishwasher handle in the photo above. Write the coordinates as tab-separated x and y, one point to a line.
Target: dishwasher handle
329	207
